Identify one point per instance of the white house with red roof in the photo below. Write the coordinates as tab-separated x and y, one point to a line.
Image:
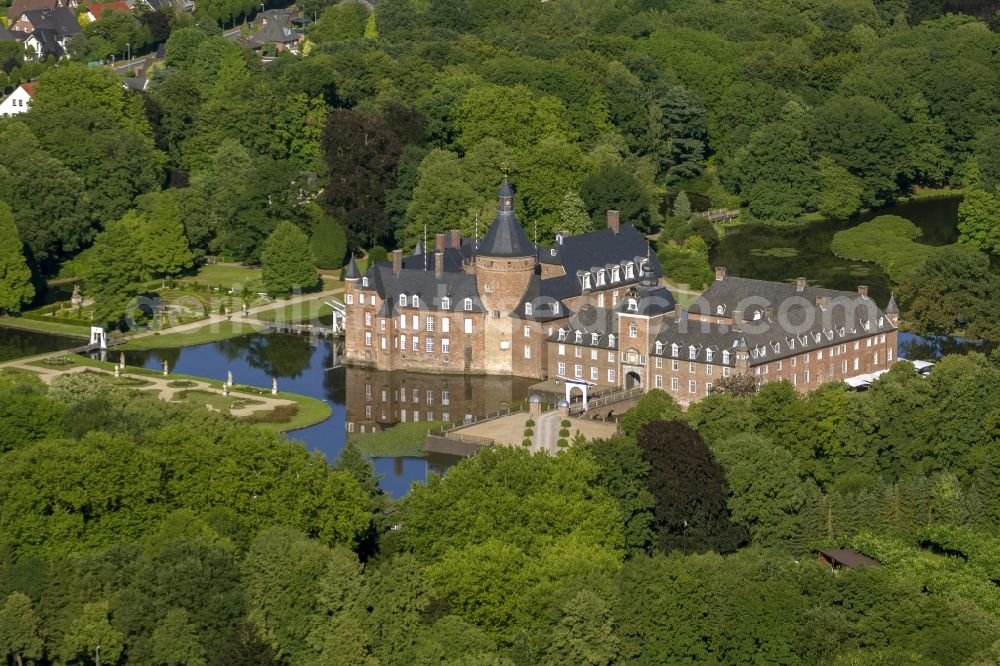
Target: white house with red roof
18	101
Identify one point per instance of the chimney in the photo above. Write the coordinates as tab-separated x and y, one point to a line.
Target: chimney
678	313
737	320
769	313
863	290
720	273
397	261
821	302
800	284
439	261
613	222
456	238
439	242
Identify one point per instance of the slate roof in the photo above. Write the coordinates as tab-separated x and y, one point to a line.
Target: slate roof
49	41
650	301
506	237
274	28
136	83
352	272
802	327
590	327
18	7
6	35
59	20
755	295
848	558
892	308
414	280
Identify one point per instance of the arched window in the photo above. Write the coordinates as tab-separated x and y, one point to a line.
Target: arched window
611	340
692	352
659	347
402	300
616	274
416	301
445	303
708	354
725	357
720	309
629	270
673	349
364	282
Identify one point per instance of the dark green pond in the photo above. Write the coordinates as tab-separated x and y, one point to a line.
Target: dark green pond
785	253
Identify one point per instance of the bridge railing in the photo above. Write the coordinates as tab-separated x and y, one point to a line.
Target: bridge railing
451	433
617	396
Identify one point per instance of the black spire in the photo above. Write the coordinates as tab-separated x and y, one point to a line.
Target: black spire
892	308
506	238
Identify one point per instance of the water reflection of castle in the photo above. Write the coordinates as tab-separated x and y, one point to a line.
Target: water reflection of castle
378	399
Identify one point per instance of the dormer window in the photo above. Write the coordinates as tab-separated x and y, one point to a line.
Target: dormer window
468	305
776	346
756	315
692	352
629	270
595	338
364	282
445	303
708	354
527	308
553	252
555	308
416	301
562	335
674	349
633	305
616	274
725	357
611	340
600	278
402	300
720	309
586	280
579	336
659	347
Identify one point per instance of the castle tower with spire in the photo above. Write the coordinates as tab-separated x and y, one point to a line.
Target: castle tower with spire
505	263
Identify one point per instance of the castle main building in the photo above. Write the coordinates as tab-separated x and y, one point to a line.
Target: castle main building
590	311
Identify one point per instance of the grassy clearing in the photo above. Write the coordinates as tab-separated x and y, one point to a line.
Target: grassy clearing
222	330
402	440
222	403
887	240
224	275
56	327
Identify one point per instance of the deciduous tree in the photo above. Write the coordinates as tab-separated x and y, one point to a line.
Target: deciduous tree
287	261
16	289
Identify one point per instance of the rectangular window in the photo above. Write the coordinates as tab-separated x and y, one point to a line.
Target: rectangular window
496	314
350	299
691	368
527	331
819	355
445	346
876	358
709	370
416	343
445	325
659	381
888	355
659	362
611	376
562	350
381	324
578	352
674	383
593	374
429	345
779	366
562	370
855	363
593	354
708	388
843	367
402	342
368	319
402	322
468	326
675	365
416	322
793	361
368	338
578	371
611	357
805	377
692	387
527	351
383	343
362	298
445	398
430	324
725	372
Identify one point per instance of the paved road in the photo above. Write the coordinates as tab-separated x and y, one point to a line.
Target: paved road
546	432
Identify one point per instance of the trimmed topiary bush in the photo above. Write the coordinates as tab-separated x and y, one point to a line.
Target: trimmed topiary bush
526	442
565	423
562	443
530	423
528	432
564	432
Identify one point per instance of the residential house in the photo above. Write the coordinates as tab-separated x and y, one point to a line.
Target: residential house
18	101
95	11
48	30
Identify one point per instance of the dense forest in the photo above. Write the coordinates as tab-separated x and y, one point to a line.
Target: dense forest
171	535
402	120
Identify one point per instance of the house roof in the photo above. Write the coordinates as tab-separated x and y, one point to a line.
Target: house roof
29	88
18	7
848	558
506	237
136	83
49	42
98	8
6	35
417	278
352	272
59	20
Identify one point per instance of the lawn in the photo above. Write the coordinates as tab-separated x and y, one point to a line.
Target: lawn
222	330
46	326
223	275
310	411
399	441
301	312
222	403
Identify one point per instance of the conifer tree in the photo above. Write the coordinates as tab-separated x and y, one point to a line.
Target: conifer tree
287	261
15	277
371	29
682	206
114	273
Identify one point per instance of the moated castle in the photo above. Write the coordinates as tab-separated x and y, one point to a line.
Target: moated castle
590	311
